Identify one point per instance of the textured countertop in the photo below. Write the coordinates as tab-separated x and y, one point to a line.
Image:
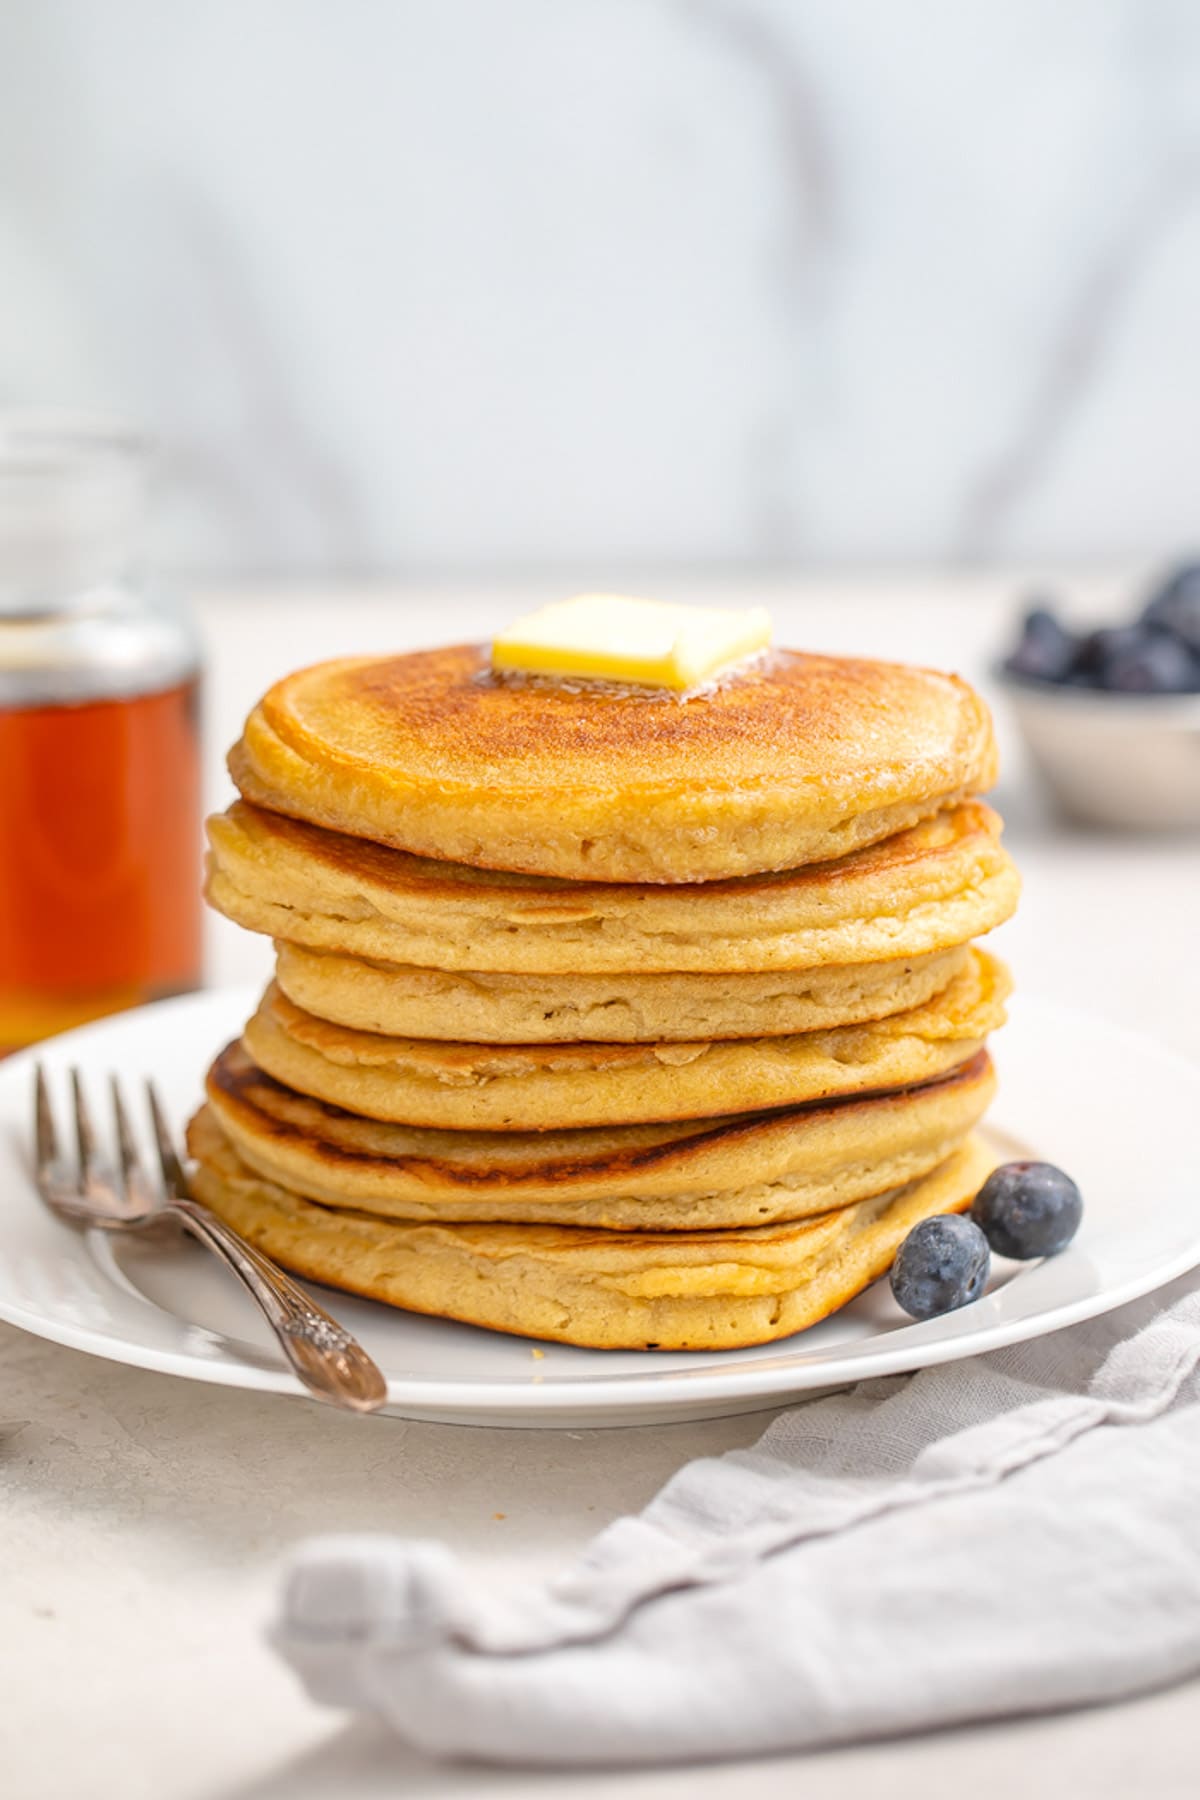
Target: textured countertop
144	1518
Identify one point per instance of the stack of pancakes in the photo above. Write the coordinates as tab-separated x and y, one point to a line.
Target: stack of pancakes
601	1015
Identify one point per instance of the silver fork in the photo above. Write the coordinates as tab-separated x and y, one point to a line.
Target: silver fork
330	1363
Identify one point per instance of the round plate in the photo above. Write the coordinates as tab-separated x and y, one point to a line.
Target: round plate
1110	1107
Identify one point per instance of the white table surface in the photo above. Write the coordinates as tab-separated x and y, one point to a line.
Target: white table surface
143	1519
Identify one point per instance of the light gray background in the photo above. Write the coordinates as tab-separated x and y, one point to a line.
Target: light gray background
492	284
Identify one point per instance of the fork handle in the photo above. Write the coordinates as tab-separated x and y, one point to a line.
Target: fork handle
332	1365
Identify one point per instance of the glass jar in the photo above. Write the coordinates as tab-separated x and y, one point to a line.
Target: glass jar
99	741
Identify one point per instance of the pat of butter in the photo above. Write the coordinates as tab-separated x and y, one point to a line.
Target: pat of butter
653	643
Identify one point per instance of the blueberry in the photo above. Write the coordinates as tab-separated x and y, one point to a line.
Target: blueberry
1046	650
941	1265
1091	659
1175	607
1027	1209
1135	659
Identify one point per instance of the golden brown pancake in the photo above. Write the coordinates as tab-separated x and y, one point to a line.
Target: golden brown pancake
537	1087
606	1289
799	760
930	888
481	1008
747	1170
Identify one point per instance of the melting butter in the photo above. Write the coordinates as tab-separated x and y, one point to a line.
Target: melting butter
652	643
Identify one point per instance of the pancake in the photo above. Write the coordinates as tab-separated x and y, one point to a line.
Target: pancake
798	760
534	1087
725	1172
926	889
608	1290
482	1008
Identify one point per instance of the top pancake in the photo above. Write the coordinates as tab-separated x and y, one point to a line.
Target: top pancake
803	759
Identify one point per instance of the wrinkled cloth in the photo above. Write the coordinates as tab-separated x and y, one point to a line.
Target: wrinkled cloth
1015	1533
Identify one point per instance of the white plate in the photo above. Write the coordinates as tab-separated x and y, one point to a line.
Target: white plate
1116	1111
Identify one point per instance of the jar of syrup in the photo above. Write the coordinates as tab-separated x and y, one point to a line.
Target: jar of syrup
99	741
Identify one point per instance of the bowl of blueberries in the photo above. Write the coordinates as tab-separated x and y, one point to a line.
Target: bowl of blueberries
1111	716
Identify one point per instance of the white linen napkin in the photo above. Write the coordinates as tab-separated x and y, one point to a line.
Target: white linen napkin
1015	1533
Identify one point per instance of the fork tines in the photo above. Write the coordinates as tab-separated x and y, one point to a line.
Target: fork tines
94	1178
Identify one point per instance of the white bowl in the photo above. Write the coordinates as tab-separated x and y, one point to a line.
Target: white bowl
1125	760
